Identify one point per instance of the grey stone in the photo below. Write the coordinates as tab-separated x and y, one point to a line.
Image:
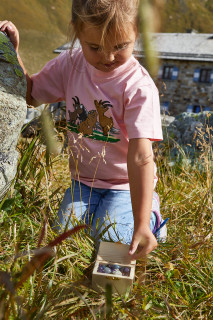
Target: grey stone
12	111
166	120
107	270
190	133
117	272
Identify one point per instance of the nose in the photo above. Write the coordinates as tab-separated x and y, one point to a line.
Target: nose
109	56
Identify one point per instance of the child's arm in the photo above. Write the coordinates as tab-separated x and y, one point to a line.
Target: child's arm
141	178
13	34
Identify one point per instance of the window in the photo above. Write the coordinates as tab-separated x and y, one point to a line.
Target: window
168	73
205	75
197	108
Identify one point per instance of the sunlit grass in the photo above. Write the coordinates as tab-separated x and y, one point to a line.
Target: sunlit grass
42	279
179	275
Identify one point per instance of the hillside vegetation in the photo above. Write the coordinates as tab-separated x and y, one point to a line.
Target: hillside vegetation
54	15
41	15
43	24
180	15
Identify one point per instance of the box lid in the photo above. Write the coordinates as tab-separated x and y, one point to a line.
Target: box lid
115	253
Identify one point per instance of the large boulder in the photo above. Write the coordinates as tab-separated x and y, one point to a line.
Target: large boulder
190	134
13	110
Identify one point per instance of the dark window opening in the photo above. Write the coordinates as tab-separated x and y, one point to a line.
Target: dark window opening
167	72
205	75
196	108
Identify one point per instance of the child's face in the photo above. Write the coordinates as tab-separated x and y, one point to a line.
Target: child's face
115	52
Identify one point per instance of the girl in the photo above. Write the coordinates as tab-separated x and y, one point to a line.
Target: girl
113	114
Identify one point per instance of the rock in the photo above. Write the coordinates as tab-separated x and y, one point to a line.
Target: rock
117	272
31	129
116	267
190	133
107	270
166	120
12	111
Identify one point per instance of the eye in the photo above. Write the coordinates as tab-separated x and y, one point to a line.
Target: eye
94	48
121	46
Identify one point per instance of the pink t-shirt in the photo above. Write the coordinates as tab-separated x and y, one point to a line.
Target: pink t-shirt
104	111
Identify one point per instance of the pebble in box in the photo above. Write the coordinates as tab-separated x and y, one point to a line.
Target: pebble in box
114	267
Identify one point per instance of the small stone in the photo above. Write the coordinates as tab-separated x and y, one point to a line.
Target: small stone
117	272
116	267
126	271
107	270
101	268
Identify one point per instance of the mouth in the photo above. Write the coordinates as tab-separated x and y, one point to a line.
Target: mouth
109	65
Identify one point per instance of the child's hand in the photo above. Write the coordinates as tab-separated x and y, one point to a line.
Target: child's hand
143	242
11	31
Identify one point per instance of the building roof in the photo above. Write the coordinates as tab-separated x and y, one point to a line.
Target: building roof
175	46
181	46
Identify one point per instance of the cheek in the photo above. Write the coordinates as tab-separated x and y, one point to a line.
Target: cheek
92	55
122	56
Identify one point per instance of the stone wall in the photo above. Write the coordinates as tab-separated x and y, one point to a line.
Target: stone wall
12	111
184	91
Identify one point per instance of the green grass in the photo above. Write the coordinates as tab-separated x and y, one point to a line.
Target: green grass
57	283
43	277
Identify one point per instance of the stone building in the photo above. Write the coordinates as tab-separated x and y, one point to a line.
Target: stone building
185	77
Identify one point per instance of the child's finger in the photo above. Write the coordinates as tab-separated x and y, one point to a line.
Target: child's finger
12	32
143	251
4	24
133	247
7	25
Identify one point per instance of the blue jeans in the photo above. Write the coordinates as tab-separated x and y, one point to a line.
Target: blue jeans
105	210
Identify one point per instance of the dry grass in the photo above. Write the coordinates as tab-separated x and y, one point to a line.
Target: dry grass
38	283
179	276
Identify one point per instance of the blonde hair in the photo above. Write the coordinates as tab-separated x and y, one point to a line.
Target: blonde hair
107	15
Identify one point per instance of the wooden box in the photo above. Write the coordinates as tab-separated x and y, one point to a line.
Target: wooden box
114	256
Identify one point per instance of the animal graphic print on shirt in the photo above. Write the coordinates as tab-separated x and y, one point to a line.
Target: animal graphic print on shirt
93	124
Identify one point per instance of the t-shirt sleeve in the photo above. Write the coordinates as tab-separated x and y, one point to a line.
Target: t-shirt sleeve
48	84
142	113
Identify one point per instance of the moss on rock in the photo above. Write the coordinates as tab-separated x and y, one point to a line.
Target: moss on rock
8	54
